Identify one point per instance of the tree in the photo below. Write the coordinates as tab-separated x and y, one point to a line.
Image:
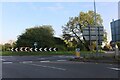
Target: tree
105	37
7	47
1	47
43	35
74	27
118	44
107	47
89	17
59	43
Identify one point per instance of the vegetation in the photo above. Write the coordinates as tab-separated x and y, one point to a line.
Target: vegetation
107	47
99	59
72	38
118	43
82	53
42	35
9	53
74	28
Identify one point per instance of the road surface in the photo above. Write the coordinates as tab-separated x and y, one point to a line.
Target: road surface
55	67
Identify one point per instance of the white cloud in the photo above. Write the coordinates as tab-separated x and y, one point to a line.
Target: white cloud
55	7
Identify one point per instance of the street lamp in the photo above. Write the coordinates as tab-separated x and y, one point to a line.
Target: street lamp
96	28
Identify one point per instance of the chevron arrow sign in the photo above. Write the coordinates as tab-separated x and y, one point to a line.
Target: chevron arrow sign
12	49
35	49
27	49
40	49
31	49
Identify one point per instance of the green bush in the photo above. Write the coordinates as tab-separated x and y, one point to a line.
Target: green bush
118	43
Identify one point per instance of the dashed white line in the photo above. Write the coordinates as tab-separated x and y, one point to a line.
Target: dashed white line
2	59
117	69
7	62
44	61
41	58
27	62
61	60
52	67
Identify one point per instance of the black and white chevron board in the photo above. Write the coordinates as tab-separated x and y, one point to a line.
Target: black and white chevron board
27	49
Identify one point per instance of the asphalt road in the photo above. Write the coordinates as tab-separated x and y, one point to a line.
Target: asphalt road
55	67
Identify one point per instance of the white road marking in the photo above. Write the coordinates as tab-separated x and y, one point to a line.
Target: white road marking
27	62
2	59
61	60
41	58
7	62
44	61
114	68
52	67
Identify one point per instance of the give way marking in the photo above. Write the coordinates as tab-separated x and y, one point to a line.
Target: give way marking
117	69
52	67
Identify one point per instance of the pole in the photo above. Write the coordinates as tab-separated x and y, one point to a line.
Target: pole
96	27
89	36
115	40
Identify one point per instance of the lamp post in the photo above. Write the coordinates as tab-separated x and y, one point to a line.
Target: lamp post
96	27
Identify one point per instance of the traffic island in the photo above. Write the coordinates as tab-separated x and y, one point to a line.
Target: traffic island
111	60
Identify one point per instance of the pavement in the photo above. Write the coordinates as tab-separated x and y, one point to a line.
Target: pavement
54	67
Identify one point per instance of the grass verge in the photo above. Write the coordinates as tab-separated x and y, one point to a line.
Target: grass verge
9	53
98	59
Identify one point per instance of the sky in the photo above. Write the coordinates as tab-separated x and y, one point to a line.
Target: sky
18	16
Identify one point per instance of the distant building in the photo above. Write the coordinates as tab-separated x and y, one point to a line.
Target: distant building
115	29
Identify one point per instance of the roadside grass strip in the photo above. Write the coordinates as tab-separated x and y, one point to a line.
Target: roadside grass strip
10	53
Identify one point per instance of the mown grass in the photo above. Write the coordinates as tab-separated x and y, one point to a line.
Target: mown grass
10	53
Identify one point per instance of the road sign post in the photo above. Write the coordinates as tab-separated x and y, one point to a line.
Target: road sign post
35	44
116	50
77	53
90	35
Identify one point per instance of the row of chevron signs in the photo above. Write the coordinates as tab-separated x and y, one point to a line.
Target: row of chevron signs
33	49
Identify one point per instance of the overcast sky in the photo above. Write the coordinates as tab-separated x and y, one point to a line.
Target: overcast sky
17	16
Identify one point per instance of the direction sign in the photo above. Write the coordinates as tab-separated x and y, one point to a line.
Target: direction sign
90	33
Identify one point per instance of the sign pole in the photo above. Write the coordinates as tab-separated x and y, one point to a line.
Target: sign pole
89	36
96	28
35	44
